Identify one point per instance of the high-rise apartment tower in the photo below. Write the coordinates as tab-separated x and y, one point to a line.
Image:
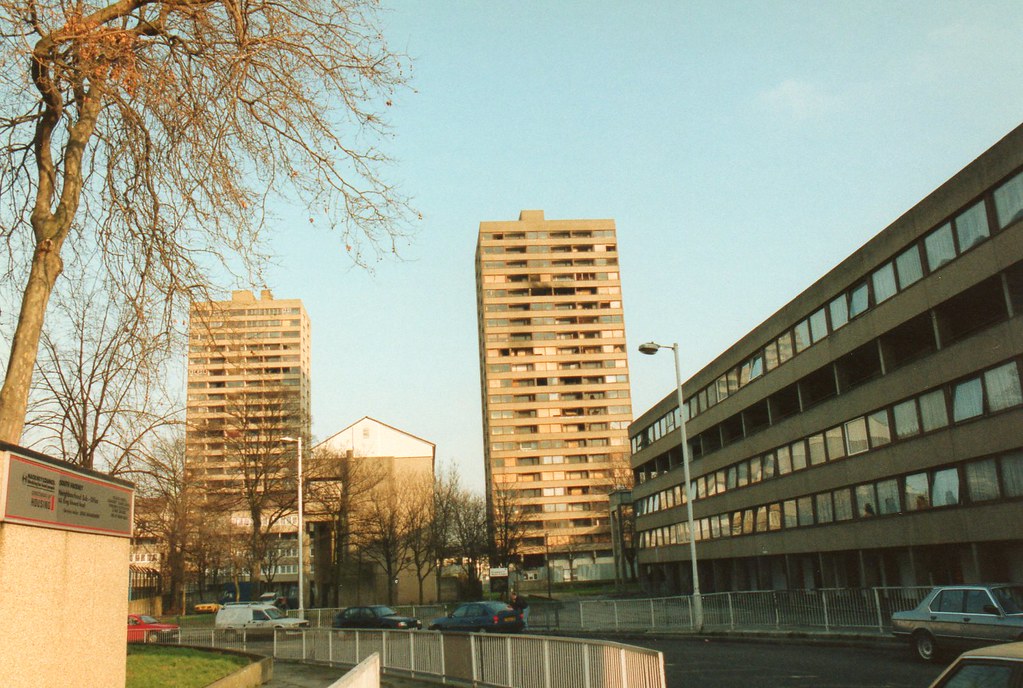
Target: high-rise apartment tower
555	385
248	389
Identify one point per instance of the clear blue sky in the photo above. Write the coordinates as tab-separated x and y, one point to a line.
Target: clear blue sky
743	149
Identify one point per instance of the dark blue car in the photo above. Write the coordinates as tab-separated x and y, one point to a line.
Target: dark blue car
486	617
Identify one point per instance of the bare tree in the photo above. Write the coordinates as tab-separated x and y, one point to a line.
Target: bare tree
340	486
98	389
423	543
166	507
263	482
471	541
390	519
446	491
156	131
507	526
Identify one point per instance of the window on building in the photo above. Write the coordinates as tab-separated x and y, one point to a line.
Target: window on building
839	312
917	492
784	347
866	501
1003	387
798	451
784	456
884	283
933	412
982	480
939	247
801	333
825	512
805	507
843	504
818	326
817	452
1009	201
768	465
858	300
1012	474
972	227
967	400
877	426
945	487
888	497
908	266
856	436
790	514
907	423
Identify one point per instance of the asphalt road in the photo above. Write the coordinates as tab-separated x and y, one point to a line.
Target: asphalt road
740	663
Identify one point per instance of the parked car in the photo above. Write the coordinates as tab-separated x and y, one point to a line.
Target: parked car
487	617
998	666
254	618
962	616
376	616
207	608
143	628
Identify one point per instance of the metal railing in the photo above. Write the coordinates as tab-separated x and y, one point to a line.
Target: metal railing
498	661
828	609
816	610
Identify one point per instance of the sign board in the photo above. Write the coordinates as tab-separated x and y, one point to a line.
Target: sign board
37	491
498	579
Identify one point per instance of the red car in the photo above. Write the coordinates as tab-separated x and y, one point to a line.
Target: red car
147	629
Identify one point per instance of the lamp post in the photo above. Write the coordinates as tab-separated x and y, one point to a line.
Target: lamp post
301	532
651	348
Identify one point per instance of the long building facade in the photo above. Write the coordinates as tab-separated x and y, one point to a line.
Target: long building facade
870	432
555	387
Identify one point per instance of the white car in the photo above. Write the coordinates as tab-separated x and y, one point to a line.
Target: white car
255	618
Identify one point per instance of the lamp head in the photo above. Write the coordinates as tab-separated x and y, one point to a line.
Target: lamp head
650	348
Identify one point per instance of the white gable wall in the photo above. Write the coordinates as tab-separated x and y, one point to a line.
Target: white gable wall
369	437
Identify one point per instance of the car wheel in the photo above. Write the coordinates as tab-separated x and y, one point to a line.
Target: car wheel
432	628
152	637
925	645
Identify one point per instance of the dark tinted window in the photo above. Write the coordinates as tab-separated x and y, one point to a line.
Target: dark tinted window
976	600
948	601
986	675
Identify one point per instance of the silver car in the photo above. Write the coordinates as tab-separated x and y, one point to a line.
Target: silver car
962	616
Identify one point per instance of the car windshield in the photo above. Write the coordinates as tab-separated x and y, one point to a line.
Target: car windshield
1010	597
149	620
384	611
273	613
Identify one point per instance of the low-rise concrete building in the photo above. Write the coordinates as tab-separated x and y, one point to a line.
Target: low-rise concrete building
871	431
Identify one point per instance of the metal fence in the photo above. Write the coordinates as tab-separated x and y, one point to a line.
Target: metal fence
867	609
499	661
829	609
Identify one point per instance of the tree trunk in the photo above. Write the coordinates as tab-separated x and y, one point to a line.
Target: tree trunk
46	267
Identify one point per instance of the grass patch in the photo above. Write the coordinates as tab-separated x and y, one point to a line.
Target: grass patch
154	666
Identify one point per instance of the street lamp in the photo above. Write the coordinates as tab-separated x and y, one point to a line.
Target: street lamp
301	531
651	348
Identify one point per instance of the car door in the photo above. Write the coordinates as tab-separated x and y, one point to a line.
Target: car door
946	614
465	618
982	620
365	618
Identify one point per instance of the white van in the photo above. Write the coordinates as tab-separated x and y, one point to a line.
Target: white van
255	618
